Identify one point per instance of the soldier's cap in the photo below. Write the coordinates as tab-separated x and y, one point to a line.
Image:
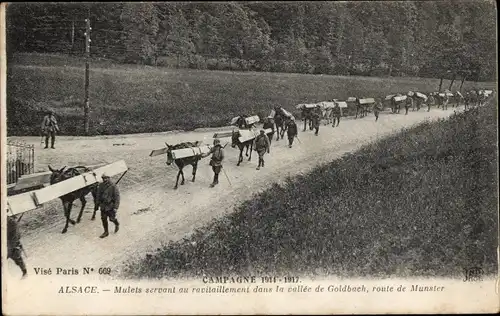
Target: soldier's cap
105	175
262	131
217	141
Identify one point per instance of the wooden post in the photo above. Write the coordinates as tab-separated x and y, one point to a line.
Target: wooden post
452	80
87	72
463	79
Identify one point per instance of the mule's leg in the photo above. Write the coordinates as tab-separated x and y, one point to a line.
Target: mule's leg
182	174
240	157
70	207
177	181
248	146
66	214
195	166
96	206
84	202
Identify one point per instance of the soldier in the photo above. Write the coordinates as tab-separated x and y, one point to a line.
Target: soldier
261	145
316	117
408	104
14	246
377	107
430	101
291	131
269	124
216	160
108	199
337	114
49	128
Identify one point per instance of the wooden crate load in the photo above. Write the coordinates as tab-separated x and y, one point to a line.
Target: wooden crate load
388	97
24	202
351	99
287	114
246	135
421	96
305	106
367	101
341	104
399	98
410	93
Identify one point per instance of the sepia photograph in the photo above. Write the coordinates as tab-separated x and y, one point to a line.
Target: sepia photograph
249	157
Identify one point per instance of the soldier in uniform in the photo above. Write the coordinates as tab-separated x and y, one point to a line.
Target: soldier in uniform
377	107
408	104
216	160
430	101
291	131
269	124
108	199
337	114
49	128
14	246
261	145
316	117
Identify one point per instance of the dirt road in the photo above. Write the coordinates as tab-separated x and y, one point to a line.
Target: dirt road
151	212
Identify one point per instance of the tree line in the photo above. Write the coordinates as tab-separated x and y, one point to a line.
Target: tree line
396	38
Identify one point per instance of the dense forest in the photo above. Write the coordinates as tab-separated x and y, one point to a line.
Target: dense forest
378	38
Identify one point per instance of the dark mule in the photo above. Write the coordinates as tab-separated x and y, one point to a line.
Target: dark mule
68	199
396	105
236	142
182	162
280	120
361	109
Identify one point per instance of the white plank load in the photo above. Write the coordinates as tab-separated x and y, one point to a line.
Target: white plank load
252	119
341	104
351	99
39	179
21	203
400	98
234	120
328	105
287	114
272	114
367	101
459	94
410	93
487	92
158	152
77	182
421	95
224	134
189	152
247	135
388	97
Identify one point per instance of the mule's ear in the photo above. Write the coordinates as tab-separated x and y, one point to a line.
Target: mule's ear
168	146
50	168
62	169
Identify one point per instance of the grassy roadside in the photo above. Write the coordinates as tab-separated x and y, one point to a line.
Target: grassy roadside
420	203
140	99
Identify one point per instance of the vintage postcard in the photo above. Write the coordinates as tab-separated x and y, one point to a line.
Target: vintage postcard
261	157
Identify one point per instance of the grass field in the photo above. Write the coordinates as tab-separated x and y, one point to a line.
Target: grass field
420	203
138	99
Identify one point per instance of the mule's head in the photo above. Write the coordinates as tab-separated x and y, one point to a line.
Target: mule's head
57	175
170	158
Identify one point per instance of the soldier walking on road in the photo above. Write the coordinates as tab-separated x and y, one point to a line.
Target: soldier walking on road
430	102
337	114
316	117
262	145
14	245
49	128
216	160
108	199
291	131
377	107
